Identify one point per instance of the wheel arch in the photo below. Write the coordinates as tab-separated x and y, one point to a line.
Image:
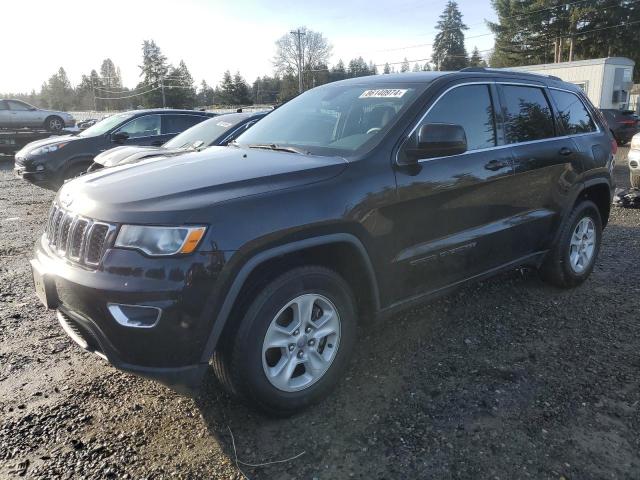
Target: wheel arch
269	263
599	192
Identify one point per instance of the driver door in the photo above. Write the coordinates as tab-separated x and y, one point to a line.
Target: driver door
23	115
143	130
453	212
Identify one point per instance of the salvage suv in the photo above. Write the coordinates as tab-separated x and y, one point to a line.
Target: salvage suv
351	202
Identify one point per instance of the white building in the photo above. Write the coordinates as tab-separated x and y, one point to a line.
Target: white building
606	81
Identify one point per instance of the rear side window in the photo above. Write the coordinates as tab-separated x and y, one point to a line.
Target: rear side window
527	114
574	116
17	105
179	123
470	107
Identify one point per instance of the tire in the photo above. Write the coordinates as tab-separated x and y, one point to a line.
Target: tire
54	124
559	266
74	171
243	362
634	179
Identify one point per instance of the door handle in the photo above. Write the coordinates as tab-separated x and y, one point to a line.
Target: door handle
565	151
496	165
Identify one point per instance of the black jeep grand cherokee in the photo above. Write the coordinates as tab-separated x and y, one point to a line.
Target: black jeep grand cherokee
350	202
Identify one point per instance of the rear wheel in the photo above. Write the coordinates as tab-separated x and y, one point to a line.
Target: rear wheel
572	259
634	179
54	124
292	344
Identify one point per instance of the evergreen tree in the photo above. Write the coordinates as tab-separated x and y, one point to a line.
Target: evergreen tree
179	90
204	97
416	67
153	70
57	92
387	68
449	52
358	68
226	93
241	91
530	32
476	59
404	66
338	72
426	67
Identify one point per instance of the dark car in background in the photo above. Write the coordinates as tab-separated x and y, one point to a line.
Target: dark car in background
49	162
16	114
353	201
216	131
624	124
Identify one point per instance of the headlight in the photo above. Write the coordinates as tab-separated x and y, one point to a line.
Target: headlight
160	241
47	149
635	142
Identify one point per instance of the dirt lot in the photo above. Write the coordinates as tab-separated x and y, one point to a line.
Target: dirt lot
506	379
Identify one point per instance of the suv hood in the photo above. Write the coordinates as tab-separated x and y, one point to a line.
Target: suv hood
128	154
152	191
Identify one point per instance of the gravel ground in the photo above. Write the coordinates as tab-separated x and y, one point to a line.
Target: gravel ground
509	378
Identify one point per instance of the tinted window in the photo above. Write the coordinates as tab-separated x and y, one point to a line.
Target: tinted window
527	114
470	107
145	126
205	132
573	115
17	105
179	123
3	105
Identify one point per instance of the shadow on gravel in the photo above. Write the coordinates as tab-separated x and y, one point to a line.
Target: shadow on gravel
506	377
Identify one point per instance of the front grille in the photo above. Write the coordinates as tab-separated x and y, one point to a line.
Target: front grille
81	240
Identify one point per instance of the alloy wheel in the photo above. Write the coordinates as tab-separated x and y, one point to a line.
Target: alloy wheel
301	342
582	245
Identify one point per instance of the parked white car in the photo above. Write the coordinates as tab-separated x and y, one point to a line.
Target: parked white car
634	161
19	114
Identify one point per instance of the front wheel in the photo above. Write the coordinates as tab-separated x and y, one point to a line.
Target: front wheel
573	257
292	344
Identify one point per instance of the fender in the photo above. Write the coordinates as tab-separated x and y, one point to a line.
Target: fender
263	256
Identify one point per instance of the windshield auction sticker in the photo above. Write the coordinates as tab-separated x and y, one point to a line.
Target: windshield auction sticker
384	93
223	124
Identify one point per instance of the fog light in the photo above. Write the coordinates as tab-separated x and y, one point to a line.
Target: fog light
135	316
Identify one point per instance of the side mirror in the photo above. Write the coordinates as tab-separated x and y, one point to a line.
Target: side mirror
120	137
437	140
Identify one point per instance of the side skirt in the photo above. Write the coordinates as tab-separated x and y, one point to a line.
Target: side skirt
531	260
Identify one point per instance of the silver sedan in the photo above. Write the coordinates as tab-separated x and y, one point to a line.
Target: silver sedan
18	114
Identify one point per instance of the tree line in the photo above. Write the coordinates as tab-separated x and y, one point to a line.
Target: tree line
526	32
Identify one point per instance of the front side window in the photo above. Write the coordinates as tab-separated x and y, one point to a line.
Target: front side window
145	126
17	105
3	105
334	119
106	124
527	114
470	107
573	115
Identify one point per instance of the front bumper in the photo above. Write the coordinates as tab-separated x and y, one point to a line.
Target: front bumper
28	172
170	352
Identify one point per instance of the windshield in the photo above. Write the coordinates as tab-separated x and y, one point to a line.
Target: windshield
205	132
103	126
334	119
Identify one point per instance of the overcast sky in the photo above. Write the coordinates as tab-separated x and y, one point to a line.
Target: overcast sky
212	36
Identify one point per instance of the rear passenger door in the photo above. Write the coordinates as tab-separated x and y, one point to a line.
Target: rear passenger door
545	161
174	124
5	114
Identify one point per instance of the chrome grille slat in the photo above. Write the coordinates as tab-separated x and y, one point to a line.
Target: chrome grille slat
81	240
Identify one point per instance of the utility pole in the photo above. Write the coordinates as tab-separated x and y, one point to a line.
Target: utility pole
164	101
299	33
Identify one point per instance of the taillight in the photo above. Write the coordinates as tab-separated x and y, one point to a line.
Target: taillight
627	122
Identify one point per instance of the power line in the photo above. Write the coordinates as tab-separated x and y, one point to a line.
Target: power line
128	96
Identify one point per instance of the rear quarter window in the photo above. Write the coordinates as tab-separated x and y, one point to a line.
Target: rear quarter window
572	113
179	123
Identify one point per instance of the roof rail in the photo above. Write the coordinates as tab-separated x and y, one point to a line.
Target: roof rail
502	70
